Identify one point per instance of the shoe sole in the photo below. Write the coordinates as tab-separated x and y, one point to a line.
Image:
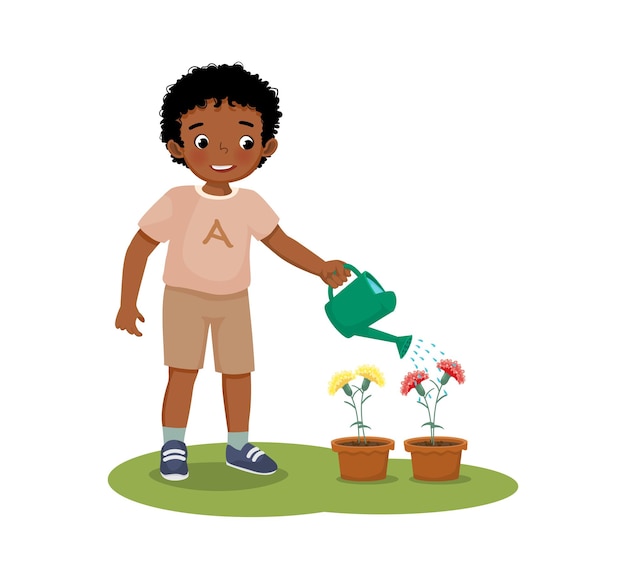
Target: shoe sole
174	476
250	471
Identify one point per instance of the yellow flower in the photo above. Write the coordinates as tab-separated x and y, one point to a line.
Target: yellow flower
339	380
371	373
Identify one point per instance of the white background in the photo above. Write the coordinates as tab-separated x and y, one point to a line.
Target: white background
470	155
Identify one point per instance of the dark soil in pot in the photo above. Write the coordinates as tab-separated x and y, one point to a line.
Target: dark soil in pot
368	443
437	443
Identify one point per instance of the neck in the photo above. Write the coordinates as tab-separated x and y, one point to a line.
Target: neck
219	189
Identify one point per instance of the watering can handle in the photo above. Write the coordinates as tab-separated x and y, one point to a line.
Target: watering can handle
347	266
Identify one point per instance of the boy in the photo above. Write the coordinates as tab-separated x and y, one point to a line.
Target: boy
220	122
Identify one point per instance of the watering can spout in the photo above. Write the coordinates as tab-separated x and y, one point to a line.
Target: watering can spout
403	343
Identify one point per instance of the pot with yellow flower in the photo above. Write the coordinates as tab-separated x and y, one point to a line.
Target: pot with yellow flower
434	458
361	457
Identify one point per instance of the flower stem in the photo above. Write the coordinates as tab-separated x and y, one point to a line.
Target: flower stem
358	430
432	428
430	418
366	382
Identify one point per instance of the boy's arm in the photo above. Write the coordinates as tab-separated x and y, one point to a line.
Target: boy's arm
332	272
137	255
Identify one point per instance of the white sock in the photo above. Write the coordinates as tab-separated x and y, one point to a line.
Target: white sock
237	439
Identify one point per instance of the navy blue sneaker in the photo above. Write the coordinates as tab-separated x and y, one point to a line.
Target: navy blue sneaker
174	460
250	459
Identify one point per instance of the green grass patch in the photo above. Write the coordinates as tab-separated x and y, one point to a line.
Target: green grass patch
307	481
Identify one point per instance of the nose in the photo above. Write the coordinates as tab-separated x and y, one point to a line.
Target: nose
223	148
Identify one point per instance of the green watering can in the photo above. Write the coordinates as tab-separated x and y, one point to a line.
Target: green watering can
361	303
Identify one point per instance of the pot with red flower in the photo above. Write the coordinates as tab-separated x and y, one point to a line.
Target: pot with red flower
361	457
434	458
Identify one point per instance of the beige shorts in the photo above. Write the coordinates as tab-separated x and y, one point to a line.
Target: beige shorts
187	316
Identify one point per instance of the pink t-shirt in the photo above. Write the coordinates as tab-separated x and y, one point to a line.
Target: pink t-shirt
209	236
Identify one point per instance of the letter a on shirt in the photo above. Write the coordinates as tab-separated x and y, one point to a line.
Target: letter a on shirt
217	227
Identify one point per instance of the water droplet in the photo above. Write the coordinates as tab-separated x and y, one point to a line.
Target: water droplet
433	345
427	351
442	353
422	359
420	340
434	359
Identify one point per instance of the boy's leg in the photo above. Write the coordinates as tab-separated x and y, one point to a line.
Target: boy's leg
177	399
234	360
237	390
184	342
240	454
176	405
231	332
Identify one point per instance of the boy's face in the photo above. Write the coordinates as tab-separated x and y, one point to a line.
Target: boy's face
221	144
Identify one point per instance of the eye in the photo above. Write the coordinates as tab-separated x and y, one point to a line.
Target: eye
246	142
201	141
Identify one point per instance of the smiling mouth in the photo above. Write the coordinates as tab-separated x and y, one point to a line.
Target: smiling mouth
222	168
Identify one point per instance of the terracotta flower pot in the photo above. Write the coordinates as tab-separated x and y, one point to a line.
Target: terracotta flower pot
435	463
363	462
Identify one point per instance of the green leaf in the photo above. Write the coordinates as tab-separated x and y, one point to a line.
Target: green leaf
358	423
346	388
365	426
368	396
349	404
428	424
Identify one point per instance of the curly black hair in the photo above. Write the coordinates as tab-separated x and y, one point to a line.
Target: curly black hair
218	82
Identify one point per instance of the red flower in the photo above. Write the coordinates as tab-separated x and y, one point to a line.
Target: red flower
452	368
411	380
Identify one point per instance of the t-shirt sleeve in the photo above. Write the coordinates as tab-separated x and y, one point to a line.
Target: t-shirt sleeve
262	219
157	222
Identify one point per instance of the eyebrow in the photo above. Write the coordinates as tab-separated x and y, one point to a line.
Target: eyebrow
196	125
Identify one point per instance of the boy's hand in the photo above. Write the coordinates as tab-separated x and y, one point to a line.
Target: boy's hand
127	320
334	273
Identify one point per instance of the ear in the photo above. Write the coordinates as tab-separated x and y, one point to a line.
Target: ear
175	149
270	147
